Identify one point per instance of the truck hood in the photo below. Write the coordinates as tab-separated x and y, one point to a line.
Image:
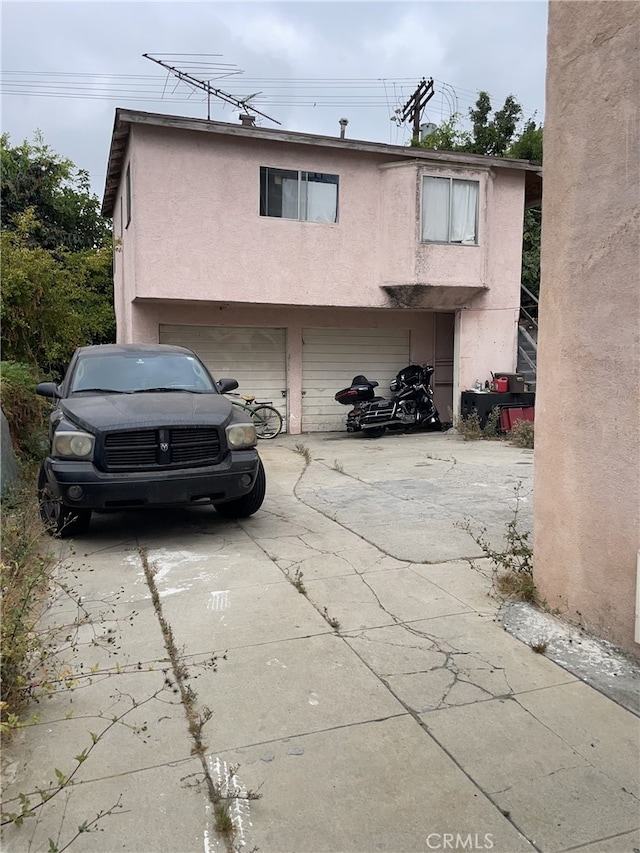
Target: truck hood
109	412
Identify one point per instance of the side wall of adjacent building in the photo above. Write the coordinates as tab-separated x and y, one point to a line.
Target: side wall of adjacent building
587	489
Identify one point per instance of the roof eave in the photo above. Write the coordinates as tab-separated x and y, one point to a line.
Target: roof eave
125	118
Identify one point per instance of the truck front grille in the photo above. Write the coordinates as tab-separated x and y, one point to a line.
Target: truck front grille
175	447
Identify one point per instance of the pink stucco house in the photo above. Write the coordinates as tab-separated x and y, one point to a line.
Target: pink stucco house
293	262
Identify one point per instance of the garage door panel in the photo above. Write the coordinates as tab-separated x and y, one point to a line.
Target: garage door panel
332	357
255	357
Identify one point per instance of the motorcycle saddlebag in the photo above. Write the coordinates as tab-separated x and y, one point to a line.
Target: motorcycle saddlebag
356	393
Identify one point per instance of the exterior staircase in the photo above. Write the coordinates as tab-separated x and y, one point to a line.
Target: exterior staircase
528	337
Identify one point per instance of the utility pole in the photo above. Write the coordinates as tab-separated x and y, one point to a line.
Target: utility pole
416	104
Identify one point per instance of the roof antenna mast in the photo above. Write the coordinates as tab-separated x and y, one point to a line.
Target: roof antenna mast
205	85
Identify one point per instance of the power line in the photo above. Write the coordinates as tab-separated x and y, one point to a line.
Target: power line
321	92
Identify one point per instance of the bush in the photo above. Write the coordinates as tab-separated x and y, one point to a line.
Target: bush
492	426
26	413
24	575
522	434
469	427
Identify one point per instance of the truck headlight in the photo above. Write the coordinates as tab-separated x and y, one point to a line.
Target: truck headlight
241	436
73	445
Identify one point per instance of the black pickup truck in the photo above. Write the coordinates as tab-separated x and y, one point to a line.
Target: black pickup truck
140	426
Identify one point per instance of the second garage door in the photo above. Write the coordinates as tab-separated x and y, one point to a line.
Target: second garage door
254	356
330	360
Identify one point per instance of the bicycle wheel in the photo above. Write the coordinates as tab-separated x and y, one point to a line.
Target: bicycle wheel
267	421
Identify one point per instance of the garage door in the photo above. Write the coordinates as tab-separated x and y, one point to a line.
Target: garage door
253	356
330	360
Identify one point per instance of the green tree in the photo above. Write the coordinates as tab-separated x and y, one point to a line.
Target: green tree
498	135
67	213
489	134
57	283
528	145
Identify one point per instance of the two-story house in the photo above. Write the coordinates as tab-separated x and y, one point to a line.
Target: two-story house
293	262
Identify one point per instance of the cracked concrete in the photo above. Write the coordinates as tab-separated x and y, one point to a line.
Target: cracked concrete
417	724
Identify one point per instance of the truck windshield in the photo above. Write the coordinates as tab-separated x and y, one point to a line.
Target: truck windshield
128	374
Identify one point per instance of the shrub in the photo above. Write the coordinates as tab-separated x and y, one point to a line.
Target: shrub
522	434
512	566
469	427
25	412
492	426
24	575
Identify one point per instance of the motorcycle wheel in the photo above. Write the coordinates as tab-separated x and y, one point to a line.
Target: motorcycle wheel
373	432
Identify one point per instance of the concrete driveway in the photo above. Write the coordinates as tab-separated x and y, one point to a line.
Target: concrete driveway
352	665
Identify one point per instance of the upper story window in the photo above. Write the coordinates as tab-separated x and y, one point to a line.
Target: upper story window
450	211
307	196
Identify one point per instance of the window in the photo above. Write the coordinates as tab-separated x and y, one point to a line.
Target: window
308	196
449	211
128	193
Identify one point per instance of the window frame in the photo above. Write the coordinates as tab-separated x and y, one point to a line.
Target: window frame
263	202
451	179
127	191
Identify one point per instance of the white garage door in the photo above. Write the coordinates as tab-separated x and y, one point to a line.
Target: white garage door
253	356
330	360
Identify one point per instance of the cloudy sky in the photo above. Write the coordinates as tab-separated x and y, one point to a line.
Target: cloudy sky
67	66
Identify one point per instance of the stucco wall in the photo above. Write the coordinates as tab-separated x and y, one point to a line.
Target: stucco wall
125	248
587	457
196	234
198	228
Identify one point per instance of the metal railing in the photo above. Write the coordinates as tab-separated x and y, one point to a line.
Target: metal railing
524	312
524	334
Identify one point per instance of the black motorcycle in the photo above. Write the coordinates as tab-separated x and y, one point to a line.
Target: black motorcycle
410	408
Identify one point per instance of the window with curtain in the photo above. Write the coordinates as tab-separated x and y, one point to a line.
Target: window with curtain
450	211
306	196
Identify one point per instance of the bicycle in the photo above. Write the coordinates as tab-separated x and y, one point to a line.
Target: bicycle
266	419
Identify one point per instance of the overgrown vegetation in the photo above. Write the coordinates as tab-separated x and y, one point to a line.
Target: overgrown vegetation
468	426
24	569
512	566
25	578
56	261
522	434
221	794
56	267
26	413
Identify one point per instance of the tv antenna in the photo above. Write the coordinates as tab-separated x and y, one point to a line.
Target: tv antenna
205	85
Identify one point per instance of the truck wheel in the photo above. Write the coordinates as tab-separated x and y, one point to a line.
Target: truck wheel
248	504
59	519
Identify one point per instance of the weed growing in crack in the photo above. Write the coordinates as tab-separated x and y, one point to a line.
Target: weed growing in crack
223	819
337	466
539	647
298	582
331	619
196	719
304	451
512	568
